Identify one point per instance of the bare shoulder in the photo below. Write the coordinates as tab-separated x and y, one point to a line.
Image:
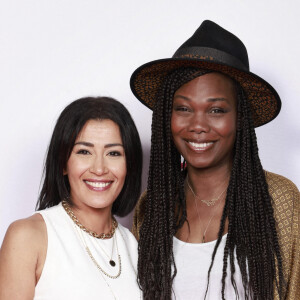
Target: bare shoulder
21	257
26	230
25	237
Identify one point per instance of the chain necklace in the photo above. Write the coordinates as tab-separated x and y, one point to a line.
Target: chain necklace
215	210
79	228
89	252
101	236
110	260
211	202
102	272
208	203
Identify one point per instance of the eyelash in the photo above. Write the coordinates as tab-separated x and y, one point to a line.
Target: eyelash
181	108
111	153
213	110
114	153
218	110
83	152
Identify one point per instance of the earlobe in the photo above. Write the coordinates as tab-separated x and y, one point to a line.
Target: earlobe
65	172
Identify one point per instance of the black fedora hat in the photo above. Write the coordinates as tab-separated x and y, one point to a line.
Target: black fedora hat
211	47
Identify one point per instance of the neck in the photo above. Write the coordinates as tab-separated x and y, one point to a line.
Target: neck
207	182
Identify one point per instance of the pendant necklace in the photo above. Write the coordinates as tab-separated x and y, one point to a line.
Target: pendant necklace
79	228
110	260
211	202
89	252
214	211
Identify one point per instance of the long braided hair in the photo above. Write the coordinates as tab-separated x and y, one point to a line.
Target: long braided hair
251	232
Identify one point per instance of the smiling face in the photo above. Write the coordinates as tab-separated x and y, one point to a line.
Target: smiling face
203	121
96	168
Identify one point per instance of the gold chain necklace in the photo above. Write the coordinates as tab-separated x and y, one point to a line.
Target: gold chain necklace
215	210
95	261
211	202
79	228
101	236
110	260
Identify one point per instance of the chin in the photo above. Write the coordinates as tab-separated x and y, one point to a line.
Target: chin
207	164
199	163
200	166
99	204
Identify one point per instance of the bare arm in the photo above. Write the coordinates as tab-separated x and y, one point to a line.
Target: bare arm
22	257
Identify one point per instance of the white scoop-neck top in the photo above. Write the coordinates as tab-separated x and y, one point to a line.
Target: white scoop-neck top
192	262
69	272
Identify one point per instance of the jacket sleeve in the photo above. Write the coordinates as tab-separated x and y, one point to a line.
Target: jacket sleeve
286	199
138	216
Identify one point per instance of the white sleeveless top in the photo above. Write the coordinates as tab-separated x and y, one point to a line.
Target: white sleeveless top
70	273
192	263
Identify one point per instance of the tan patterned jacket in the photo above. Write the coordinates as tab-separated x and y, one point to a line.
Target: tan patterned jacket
286	200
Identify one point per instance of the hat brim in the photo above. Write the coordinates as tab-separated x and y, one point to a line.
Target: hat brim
264	101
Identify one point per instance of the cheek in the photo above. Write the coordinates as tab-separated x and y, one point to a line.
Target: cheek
119	170
76	167
227	127
176	125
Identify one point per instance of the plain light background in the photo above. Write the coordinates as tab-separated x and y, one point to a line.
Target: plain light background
53	52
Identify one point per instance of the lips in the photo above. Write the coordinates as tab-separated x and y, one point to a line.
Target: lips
98	185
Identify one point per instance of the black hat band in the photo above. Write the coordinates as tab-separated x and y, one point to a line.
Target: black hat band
210	54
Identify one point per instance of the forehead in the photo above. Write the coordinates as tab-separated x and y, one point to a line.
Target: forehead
211	85
99	130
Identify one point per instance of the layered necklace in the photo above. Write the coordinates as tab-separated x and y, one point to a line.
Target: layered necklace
112	234
208	203
102	236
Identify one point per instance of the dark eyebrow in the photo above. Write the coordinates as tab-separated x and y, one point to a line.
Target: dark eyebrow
84	144
216	99
87	144
183	97
113	145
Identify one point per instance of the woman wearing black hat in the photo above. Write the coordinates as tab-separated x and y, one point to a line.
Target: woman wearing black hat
217	225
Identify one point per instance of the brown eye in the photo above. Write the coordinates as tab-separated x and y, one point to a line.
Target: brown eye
181	108
217	111
83	152
114	153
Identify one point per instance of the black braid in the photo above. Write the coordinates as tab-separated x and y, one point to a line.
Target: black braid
251	231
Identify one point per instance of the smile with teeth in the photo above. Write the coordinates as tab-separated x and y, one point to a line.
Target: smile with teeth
200	145
98	184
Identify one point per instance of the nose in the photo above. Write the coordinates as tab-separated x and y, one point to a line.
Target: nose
198	124
98	166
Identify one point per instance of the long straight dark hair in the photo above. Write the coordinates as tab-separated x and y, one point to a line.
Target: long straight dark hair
251	233
55	186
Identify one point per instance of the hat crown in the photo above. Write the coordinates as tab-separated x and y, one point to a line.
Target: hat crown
215	39
212	48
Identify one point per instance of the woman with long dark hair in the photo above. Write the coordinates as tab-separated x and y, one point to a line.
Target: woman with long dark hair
73	247
215	225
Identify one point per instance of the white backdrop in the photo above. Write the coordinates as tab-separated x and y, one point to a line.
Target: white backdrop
53	52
